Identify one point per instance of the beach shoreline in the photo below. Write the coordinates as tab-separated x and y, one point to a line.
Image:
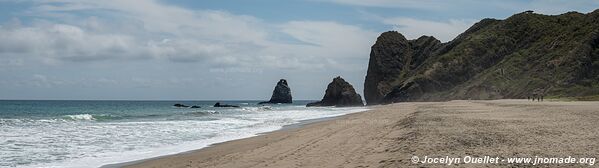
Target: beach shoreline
298	125
390	135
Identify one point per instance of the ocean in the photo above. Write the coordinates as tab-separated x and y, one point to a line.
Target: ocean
65	133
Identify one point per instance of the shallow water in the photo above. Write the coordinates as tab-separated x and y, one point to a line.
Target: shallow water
95	133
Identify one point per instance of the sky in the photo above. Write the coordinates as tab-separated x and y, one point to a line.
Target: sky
216	50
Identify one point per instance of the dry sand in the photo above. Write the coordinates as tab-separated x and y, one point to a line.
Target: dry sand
390	135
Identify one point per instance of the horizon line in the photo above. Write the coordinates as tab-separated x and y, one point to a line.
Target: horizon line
143	100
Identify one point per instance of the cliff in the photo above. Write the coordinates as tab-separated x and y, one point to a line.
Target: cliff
557	56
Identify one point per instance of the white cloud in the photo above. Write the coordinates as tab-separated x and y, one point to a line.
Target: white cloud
551	7
436	5
418	4
10	62
330	43
42	81
442	30
66	42
149	29
329	34
115	45
446	30
152	30
413	28
555	7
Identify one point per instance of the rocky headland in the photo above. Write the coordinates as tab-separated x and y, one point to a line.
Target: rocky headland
555	55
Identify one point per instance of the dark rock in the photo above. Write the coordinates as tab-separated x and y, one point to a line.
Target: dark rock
339	93
224	105
281	93
180	105
195	107
391	56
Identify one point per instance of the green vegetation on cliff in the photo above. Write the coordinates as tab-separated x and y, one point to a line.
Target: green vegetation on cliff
526	53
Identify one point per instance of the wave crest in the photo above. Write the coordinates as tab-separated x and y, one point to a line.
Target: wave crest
257	109
78	117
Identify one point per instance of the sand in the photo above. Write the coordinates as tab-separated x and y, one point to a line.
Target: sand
390	135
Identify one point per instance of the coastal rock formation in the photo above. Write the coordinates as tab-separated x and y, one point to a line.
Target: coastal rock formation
180	105
339	93
224	105
281	93
493	59
394	56
185	106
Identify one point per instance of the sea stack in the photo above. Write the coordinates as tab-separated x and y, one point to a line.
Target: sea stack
281	93
339	93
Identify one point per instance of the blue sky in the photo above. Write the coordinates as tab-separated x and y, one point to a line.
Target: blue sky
215	50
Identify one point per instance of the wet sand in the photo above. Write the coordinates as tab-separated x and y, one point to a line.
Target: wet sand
390	135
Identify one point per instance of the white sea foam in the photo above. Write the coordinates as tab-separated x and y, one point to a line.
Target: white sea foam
37	143
87	117
257	109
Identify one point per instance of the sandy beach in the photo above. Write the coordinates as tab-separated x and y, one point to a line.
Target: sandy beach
392	135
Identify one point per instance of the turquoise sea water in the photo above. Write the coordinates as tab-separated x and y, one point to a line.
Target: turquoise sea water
95	133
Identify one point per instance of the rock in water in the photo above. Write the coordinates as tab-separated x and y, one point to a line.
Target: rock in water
339	93
281	94
224	105
180	105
